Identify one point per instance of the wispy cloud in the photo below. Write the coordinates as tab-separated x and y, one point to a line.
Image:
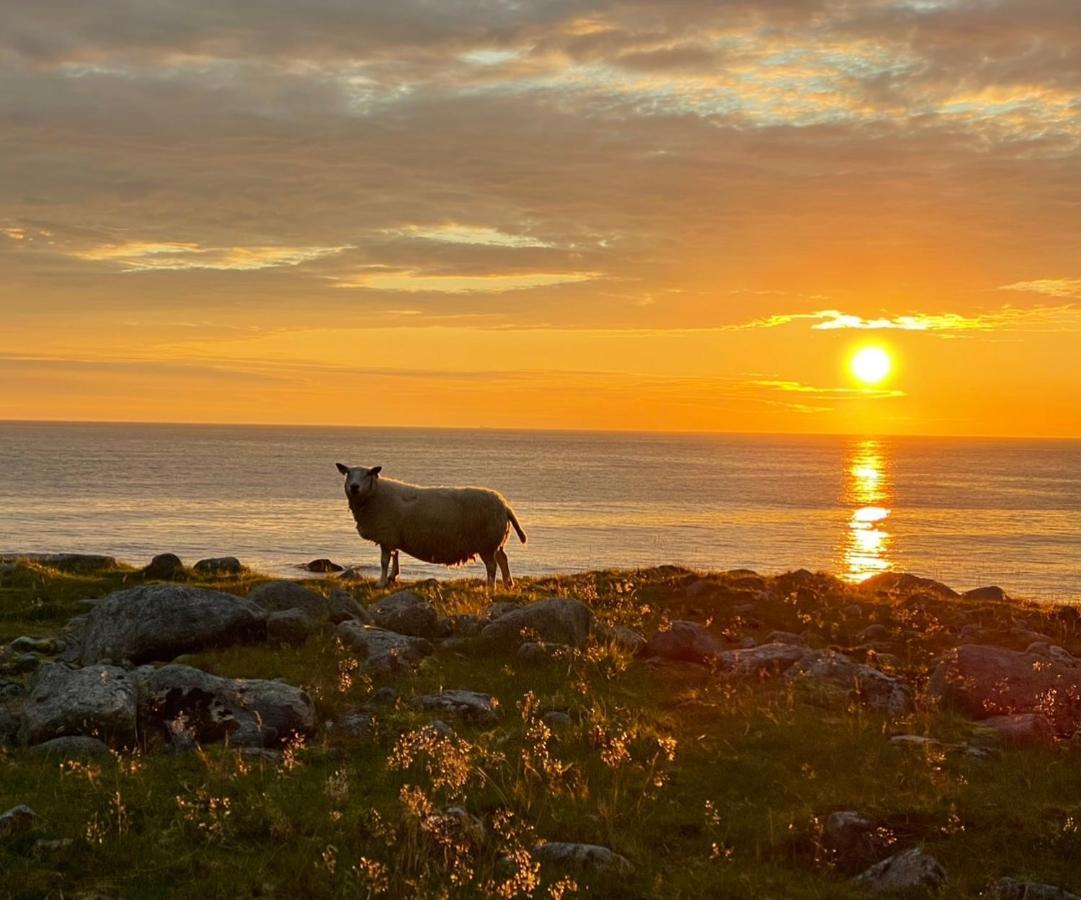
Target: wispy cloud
453	233
1051	287
149	256
1007	317
835	393
415	282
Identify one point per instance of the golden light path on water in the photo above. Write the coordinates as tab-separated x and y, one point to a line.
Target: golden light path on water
867	490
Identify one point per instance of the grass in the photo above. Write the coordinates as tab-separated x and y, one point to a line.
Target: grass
710	787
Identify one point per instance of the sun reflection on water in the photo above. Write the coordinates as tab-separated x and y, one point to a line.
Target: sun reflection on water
867	491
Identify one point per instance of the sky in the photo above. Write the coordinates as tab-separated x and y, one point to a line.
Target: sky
638	214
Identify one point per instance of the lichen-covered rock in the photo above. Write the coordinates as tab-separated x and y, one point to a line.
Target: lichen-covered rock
342	606
382	650
683	642
582	859
407	612
1022	730
556	621
73	747
913	869
291	627
161	621
984	681
875	689
96	701
761	661
178	700
470	706
164	567
1014	889
278	596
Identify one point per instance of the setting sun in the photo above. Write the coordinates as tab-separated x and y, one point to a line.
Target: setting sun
871	364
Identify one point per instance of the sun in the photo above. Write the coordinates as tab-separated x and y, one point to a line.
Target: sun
871	364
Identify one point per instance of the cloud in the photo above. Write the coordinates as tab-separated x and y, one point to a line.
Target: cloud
469	234
416	282
1006	318
1052	287
835	393
149	256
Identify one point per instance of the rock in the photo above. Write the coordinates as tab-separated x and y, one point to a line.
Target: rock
342	606
915	740
75	747
97	701
984	681
323	565
582	859
278	596
250	712
43	847
66	562
557	719
875	689
44	646
442	729
852	611
262	754
903	583
356	725
384	696
19	663
557	621
535	652
17	820
162	620
876	632
470	706
466	625
1012	889
383	651
291	627
407	612
702	588
501	608
164	566
905	871
785	637
219	565
991	592
852	840
761	661
627	640
1012	638
684	642
352	573
457	820
1022	730
9	728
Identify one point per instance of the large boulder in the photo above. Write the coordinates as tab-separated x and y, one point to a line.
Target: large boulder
164	567
96	701
991	592
407	612
554	621
277	596
874	689
382	650
219	565
290	627
181	702
911	870
66	562
1022	730
161	621
683	642
984	681
904	583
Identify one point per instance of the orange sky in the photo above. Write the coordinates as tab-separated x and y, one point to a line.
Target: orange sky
634	215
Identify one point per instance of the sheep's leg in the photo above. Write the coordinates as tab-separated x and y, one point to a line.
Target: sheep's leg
394	567
386	554
489	564
504	567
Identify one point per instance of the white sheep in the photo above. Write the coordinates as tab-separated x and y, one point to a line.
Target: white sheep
445	525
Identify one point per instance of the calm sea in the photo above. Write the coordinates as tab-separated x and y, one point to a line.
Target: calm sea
967	512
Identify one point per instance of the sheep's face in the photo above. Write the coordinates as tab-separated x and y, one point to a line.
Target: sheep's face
359	482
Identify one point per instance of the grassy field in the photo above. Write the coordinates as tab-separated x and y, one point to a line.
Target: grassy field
709	786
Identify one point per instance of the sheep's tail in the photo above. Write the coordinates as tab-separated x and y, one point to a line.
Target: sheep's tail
514	522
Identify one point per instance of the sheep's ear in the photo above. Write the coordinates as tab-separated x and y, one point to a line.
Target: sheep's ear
343	469
375	471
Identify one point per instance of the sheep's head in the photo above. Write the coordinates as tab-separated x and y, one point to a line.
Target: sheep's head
359	482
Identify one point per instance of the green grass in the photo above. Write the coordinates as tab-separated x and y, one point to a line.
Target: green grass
710	787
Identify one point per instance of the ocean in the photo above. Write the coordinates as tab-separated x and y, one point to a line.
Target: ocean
968	512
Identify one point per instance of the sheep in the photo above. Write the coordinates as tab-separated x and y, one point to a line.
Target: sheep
444	525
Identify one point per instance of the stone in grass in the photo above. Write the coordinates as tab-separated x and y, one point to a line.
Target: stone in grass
290	627
323	565
470	706
1022	730
343	606
852	839
94	701
164	567
74	747
683	642
44	646
582	859
278	596
382	650
406	612
874	689
910	870
219	565
354	724
158	622
557	621
1014	889
17	820
540	652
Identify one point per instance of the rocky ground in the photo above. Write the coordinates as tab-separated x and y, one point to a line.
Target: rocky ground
203	730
